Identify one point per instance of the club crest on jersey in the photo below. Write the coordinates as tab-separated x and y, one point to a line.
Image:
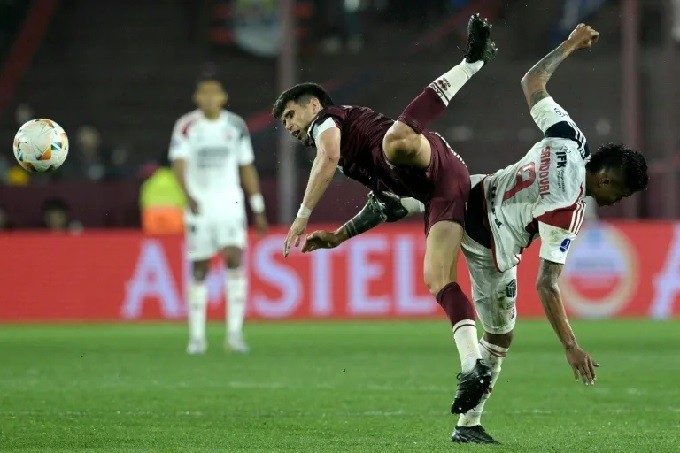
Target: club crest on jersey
564	246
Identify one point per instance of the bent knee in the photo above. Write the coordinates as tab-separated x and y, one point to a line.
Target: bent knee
436	281
400	143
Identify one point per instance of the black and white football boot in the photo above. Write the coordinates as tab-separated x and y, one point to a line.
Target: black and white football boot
471	387
479	45
472	435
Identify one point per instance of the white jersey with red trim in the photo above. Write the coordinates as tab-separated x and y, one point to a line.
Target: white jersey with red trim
542	194
214	150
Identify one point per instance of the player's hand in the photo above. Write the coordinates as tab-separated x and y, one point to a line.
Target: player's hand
583	37
321	240
192	204
260	220
297	229
582	364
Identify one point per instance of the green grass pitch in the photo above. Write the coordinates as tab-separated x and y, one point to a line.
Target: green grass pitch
373	387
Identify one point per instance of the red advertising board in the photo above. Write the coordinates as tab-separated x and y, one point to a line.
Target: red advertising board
623	269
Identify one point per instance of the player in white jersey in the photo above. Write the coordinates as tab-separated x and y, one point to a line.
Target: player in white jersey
212	156
541	195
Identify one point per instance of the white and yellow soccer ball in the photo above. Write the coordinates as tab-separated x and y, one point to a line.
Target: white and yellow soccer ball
40	146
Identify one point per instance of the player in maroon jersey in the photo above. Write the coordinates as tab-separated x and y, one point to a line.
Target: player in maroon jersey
404	158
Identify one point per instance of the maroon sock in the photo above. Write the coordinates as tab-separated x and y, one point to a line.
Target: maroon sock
455	303
424	109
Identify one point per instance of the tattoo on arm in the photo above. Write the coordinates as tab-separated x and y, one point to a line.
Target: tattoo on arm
535	80
537	96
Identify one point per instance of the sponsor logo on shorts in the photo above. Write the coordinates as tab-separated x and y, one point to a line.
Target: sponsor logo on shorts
511	289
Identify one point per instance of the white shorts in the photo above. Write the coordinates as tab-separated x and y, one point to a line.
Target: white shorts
206	234
494	293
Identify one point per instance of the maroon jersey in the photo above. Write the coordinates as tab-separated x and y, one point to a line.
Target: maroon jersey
443	186
361	155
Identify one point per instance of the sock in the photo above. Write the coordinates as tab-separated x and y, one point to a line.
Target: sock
465	336
434	99
198	295
236	302
412	205
461	314
493	355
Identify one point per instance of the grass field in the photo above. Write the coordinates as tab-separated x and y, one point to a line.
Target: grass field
329	387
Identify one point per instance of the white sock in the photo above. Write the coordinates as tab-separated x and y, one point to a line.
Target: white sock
237	287
412	205
448	84
198	297
465	336
493	355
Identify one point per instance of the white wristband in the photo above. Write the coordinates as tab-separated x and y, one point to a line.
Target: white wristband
257	203
304	212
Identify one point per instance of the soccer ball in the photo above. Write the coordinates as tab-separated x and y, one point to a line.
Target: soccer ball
40	146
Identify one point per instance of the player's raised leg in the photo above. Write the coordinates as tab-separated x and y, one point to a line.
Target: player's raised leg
198	298
236	292
403	144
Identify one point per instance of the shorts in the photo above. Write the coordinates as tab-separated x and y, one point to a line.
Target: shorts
494	293
450	181
206	235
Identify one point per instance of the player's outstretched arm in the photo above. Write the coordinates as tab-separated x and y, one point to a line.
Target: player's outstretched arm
323	169
549	292
534	82
379	208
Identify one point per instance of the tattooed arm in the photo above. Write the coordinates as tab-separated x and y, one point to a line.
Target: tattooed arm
549	292
534	81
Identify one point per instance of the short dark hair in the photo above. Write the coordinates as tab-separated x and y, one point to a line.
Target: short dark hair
209	73
632	164
300	94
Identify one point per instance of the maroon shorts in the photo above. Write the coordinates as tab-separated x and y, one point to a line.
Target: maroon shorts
450	181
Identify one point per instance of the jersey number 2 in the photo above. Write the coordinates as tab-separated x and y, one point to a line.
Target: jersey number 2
525	178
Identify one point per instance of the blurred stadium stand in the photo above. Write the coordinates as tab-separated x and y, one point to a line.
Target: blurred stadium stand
127	69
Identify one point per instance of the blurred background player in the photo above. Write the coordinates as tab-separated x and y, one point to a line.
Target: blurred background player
57	217
212	156
541	195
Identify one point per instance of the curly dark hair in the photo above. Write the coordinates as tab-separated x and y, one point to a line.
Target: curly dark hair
301	94
632	164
